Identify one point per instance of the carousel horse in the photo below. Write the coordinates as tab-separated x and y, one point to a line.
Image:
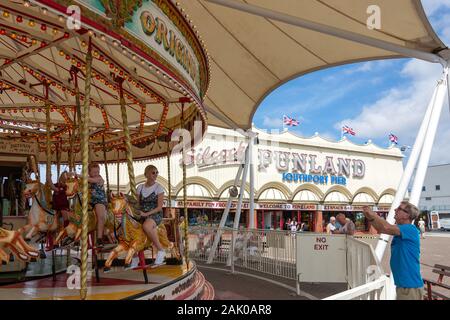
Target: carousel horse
12	240
72	232
40	218
132	237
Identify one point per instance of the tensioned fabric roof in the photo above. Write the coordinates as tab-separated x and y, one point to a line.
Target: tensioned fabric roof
252	55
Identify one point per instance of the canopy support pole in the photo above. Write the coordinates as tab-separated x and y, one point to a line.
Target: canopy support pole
424	159
428	125
332	31
252	212
237	215
84	172
224	217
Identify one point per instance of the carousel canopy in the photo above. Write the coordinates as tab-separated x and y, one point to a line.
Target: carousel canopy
219	56
253	54
143	51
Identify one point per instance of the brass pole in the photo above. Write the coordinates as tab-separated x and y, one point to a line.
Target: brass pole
126	132
186	220
84	173
118	171
106	166
58	160
48	167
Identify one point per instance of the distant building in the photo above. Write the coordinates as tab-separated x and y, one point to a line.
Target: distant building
310	179
435	194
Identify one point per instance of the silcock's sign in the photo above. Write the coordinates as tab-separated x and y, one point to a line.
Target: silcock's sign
305	168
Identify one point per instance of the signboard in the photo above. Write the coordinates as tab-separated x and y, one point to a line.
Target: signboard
17	147
245	205
160	28
321	257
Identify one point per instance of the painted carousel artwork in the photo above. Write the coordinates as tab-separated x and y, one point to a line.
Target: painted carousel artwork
94	81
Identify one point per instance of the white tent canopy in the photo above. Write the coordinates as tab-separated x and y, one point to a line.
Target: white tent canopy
252	55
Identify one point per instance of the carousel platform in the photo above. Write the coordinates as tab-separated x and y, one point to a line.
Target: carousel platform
166	282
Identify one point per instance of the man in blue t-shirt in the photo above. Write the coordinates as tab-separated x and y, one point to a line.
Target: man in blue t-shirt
405	249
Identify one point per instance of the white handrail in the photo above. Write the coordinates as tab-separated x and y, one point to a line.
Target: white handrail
375	290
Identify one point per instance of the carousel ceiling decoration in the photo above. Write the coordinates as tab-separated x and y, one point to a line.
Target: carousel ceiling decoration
147	52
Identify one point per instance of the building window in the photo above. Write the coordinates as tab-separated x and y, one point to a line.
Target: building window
438	187
427	198
423	188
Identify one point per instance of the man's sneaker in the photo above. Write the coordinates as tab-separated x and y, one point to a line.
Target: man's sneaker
134	263
160	258
106	270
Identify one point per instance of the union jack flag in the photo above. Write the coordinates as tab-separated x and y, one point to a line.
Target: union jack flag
348	130
393	138
290	121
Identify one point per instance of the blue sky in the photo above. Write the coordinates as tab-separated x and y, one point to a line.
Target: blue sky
366	96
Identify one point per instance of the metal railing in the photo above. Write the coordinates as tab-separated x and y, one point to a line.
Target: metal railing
267	251
274	252
374	290
362	264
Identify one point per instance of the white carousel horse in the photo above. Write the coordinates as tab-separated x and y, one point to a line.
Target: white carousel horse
40	218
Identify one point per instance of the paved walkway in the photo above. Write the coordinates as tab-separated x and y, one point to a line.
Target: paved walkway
250	285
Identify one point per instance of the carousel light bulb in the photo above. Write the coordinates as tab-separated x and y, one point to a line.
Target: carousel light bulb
115	43
26	3
6	14
90	32
31	23
44	10
61	18
55	31
19	19
133	57
102	37
83	43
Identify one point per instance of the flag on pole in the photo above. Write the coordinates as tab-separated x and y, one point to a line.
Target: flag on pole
393	138
348	130
290	121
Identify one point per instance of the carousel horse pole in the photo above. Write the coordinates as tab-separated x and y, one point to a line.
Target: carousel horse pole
106	165
186	220
85	162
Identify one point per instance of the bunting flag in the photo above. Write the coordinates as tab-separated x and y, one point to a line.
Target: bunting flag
348	130
393	138
290	121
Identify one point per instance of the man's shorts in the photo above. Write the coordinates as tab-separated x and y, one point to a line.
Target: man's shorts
409	293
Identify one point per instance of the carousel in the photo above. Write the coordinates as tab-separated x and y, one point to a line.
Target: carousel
96	81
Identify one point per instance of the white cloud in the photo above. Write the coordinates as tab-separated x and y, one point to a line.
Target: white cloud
431	6
401	109
270	122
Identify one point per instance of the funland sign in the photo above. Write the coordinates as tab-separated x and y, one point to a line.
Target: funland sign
294	167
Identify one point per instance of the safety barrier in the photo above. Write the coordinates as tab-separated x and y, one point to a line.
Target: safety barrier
267	251
362	264
375	290
275	253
